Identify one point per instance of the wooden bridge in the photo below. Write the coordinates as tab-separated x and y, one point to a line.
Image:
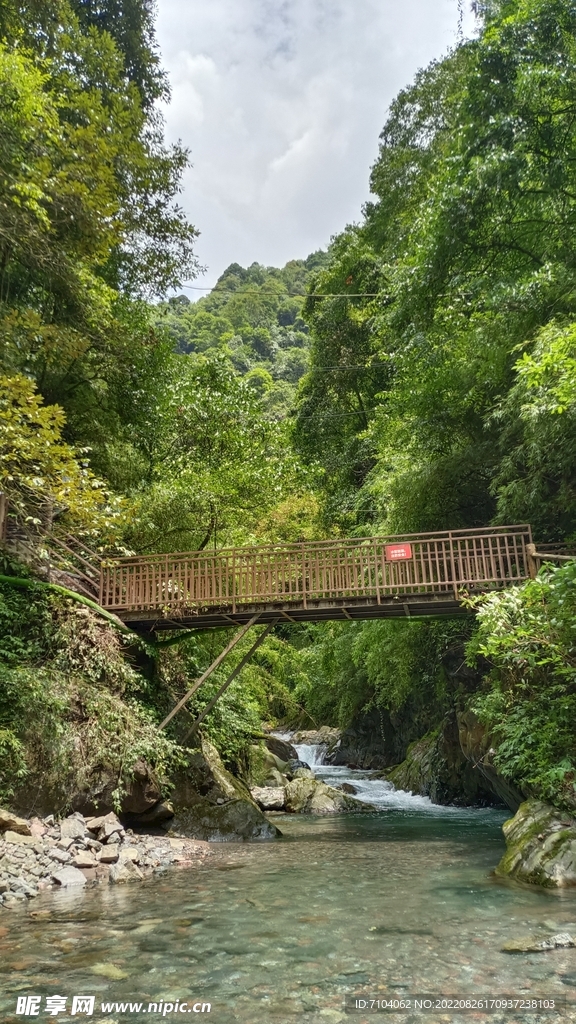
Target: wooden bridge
424	574
360	578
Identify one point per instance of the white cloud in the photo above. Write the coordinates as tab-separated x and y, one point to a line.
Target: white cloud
281	103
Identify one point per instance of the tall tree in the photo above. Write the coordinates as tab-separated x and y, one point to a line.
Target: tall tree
131	25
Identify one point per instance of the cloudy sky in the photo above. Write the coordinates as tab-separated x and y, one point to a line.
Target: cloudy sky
281	103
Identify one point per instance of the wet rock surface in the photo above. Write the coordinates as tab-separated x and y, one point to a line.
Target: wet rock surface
77	851
281	748
324	735
436	767
269	798
476	745
310	796
541	846
530	944
212	804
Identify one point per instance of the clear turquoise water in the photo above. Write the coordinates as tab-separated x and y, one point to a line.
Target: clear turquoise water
396	903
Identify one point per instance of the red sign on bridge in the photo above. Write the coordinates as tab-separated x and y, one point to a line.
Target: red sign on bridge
398	552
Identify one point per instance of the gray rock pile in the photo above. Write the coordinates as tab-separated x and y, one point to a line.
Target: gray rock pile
40	854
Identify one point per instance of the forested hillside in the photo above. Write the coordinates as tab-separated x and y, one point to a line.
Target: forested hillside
418	375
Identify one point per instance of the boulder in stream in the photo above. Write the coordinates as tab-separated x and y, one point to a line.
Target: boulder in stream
310	796
211	803
532	944
280	748
274	778
269	798
541	846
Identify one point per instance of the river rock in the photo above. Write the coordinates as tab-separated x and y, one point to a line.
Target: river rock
110	971
310	796
125	871
269	798
272	762
274	779
129	853
281	748
73	827
62	856
11	822
38	828
212	804
18	839
108	855
69	877
530	944
313	737
95	822
84	860
541	846
34	863
105	827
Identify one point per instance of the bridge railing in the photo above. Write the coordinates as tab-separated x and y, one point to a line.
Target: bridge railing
299	573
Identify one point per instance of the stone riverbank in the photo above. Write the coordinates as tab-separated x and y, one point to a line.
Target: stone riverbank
42	853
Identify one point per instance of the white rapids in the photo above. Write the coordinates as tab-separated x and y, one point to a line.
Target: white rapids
369	788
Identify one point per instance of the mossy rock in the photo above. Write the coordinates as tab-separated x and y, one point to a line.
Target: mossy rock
436	767
227	822
212	804
309	796
541	847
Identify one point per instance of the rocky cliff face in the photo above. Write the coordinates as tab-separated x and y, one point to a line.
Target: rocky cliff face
436	767
376	740
449	759
476	745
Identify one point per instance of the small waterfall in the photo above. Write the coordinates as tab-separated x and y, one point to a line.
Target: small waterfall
311	753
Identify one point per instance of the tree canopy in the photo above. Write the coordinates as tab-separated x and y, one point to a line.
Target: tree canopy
418	375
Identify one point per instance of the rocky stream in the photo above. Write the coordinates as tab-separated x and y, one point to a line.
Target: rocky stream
383	904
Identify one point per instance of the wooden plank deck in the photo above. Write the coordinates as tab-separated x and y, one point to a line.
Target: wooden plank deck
356	578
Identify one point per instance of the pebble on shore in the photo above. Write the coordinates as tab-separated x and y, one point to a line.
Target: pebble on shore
40	854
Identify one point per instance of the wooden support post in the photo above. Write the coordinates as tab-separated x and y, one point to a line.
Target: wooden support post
235	639
532	561
3	516
231	678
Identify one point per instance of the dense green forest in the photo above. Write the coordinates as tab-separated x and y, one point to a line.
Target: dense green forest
419	374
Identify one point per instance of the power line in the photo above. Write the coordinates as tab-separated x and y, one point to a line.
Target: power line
313	295
337	415
330	369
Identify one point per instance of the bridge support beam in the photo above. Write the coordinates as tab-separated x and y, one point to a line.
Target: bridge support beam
235	639
231	678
